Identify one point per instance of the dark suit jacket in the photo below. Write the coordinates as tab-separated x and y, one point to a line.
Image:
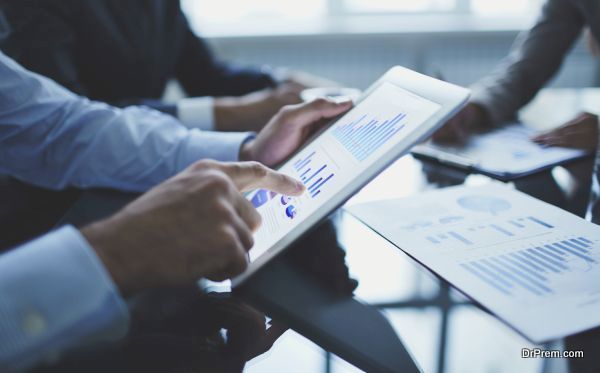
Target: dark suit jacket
120	51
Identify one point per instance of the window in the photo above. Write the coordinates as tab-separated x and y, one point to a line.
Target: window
227	9
505	7
213	11
483	7
375	6
230	14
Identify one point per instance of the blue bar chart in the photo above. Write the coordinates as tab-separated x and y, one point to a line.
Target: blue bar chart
491	232
531	269
531	264
362	137
314	172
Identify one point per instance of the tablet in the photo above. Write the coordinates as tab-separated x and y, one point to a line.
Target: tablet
398	111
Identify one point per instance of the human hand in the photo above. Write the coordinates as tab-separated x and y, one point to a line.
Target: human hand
289	129
196	224
252	111
470	119
308	80
579	133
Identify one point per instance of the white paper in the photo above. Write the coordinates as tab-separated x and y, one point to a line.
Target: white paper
532	264
507	150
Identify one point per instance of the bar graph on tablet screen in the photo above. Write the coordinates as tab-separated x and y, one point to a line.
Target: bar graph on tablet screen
314	170
342	151
362	136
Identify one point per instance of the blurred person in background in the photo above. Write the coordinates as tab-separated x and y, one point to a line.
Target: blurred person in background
66	289
535	58
124	53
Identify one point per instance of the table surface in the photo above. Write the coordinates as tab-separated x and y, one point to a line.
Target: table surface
440	328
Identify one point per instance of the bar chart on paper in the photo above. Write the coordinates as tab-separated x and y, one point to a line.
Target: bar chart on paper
532	264
362	136
534	268
475	234
534	251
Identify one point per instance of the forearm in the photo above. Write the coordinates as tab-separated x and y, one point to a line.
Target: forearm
201	73
50	137
55	295
534	59
156	104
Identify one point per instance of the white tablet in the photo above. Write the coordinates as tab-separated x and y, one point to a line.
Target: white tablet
400	110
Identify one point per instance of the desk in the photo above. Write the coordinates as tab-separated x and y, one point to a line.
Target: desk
439	327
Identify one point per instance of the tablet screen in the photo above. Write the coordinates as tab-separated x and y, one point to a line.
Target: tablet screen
341	153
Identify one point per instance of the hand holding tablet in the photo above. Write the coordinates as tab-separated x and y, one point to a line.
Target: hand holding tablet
399	110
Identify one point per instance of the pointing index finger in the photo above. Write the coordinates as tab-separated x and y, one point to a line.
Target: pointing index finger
254	175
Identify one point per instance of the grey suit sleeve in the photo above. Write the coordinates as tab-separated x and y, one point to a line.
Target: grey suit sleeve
534	59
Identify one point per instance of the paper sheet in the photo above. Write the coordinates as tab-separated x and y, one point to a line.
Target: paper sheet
533	265
508	150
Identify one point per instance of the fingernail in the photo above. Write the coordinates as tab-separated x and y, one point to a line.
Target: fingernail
299	186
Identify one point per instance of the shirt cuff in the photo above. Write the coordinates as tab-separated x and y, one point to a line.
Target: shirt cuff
56	295
197	112
219	146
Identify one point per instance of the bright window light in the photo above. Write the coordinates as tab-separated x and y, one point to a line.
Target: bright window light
505	7
262	11
373	6
233	10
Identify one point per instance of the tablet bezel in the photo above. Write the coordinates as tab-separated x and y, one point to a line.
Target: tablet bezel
451	98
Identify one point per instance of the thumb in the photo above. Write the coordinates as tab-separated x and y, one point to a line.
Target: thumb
545	134
316	110
253	175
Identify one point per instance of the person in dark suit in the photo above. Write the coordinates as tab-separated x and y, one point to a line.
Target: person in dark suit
125	52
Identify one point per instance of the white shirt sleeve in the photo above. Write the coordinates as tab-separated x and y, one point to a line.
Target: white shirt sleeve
197	112
55	295
53	138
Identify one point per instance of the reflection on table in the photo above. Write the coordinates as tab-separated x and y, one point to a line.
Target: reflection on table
443	330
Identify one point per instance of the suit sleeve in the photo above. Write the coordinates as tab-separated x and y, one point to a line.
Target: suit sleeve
534	59
202	74
42	41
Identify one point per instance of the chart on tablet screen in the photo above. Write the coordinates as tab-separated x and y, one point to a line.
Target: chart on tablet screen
343	151
362	137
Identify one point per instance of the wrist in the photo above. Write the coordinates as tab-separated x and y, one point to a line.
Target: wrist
247	151
481	117
225	111
101	237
